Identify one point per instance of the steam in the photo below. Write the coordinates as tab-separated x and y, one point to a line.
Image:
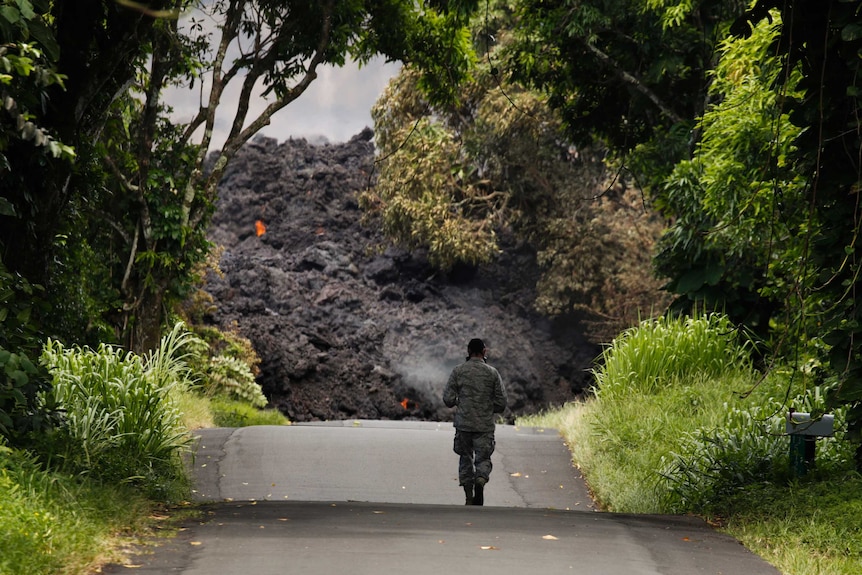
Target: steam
426	374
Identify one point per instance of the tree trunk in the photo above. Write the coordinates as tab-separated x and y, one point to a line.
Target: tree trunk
144	330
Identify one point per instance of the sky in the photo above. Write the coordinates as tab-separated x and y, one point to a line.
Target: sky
337	105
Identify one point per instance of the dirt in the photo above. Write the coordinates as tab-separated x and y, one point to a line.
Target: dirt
350	328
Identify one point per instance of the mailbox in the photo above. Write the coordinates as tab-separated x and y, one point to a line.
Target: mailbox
802	424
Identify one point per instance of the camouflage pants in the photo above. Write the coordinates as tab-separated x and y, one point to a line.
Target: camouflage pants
475	449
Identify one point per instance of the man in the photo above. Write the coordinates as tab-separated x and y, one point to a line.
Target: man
477	390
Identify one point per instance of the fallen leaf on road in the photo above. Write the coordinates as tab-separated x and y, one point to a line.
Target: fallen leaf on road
379	512
514	475
441	541
549	537
195	543
132	566
686	539
283	519
488	548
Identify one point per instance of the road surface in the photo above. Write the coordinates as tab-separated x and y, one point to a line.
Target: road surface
363	497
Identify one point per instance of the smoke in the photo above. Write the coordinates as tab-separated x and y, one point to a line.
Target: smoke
426	374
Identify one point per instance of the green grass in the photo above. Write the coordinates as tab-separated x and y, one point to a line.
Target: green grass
55	524
690	441
231	413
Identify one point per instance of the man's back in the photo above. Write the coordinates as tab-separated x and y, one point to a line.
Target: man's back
477	390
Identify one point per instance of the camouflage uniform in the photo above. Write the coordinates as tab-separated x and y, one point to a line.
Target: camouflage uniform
477	390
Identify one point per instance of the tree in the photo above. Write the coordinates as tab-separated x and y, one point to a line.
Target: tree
823	41
147	181
631	72
452	179
738	203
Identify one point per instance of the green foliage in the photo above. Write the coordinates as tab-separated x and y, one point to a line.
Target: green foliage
26	527
454	180
738	203
51	523
120	420
224	364
21	380
25	76
627	70
711	442
806	526
231	377
660	351
231	413
711	464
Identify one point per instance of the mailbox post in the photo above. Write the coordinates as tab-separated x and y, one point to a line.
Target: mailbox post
803	432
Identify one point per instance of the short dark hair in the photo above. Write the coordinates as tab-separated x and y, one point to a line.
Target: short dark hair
476	346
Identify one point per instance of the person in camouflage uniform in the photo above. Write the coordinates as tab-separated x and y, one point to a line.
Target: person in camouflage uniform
476	389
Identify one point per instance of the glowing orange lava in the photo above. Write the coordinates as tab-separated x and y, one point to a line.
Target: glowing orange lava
260	228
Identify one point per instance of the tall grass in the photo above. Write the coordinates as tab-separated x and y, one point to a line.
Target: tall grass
121	420
666	349
686	440
55	524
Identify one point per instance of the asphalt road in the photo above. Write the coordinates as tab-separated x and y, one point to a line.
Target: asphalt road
383	497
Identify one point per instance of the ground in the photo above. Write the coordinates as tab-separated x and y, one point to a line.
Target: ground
350	328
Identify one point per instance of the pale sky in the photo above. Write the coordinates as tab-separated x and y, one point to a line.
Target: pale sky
337	105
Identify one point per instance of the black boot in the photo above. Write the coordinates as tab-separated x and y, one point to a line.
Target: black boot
479	497
468	492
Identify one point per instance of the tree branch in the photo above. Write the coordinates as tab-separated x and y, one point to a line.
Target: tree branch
632	81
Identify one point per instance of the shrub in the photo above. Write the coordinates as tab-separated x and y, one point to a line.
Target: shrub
713	463
120	422
231	377
21	379
644	358
225	364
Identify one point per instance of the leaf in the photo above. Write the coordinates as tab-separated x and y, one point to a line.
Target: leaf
851	32
488	548
550	538
6	208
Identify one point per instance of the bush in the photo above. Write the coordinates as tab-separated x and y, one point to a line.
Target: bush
658	351
21	379
232	378
224	364
121	423
712	464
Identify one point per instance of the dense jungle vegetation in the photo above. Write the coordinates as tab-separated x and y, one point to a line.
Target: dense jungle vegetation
731	128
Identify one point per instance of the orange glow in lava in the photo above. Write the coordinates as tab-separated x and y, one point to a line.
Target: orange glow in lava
260	228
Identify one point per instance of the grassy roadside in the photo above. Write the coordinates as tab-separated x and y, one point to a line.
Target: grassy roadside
657	439
55	523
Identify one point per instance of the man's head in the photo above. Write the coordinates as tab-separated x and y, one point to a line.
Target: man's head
476	347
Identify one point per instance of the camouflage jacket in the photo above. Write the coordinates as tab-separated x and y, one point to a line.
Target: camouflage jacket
477	390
